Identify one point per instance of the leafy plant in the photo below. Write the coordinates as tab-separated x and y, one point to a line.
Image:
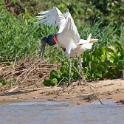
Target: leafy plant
105	62
2	81
51	82
6	82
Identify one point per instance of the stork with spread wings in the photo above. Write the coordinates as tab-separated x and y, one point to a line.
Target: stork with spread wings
67	36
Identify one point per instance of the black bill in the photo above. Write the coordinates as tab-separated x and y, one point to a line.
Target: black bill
44	40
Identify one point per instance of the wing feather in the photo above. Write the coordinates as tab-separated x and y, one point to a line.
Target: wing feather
52	17
71	29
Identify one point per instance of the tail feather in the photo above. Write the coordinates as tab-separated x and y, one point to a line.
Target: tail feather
89	37
89	40
93	40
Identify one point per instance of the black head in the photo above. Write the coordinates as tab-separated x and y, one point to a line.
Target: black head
50	41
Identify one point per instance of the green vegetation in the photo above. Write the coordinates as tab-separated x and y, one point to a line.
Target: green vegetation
21	36
104	62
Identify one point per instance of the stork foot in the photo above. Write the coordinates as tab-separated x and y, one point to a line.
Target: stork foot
79	81
68	84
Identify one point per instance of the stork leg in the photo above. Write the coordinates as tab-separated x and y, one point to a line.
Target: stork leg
69	74
80	70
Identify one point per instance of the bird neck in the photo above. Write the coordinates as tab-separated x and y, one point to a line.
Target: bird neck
55	38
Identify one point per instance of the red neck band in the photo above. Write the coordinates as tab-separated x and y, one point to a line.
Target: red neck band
55	38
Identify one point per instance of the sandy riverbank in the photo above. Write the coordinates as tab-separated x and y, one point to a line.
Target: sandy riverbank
103	90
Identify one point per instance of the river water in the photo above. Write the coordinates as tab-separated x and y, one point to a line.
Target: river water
50	112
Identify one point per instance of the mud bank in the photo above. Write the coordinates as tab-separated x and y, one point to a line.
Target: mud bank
102	90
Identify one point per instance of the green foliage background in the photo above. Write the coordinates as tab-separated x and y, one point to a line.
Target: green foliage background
20	34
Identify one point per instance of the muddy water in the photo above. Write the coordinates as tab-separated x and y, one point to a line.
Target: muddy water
50	112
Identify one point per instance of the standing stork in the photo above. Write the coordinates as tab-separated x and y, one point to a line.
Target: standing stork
67	36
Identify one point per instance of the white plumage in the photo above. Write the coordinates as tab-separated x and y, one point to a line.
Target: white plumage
67	35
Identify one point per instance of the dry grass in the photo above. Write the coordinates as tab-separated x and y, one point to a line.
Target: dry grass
28	73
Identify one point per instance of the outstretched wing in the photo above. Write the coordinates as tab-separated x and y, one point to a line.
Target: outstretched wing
52	17
70	29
